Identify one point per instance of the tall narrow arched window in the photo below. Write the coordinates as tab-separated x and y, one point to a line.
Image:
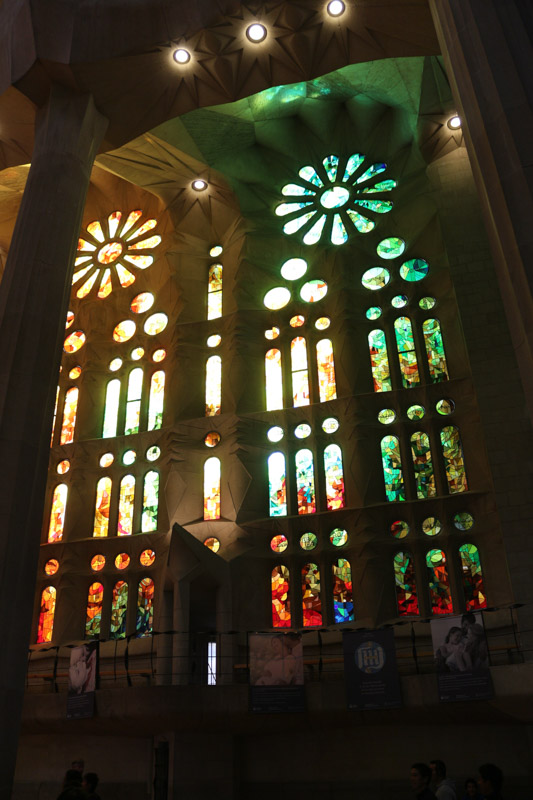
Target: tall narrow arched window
55	417
406	352
423	465
281	604
133	401
274	380
305	482
327	387
342	591
452	452
119	607
311	603
93	618
214	292
334	477
156	401
406	593
69	416
300	373
112	398
392	469
101	510
438	369
277	485
473	587
150	502
212	488
145	607
213	386
57	514
125	506
439	583
46	615
379	361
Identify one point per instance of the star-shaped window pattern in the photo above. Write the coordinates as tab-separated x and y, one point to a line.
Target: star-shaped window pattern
110	250
329	200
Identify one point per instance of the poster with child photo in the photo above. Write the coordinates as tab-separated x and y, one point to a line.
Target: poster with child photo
462	657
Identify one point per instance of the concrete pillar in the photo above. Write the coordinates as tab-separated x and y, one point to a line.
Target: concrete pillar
33	303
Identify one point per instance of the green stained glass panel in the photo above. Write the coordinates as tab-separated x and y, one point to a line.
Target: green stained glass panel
390	248
375	278
414	270
423	466
392	469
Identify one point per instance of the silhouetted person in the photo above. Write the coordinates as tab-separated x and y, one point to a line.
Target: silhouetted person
72	788
471	790
490	781
90	782
444	788
420	778
78	765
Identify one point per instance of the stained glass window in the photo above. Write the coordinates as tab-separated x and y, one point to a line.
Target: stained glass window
279	543
379	361
122	561
300	375
145	607
101	511
125	506
342	591
46	615
212	488
406	352
334	477
213	386
473	586
142	302
277	298
51	566
439	584
57	514
392	469
119	607
277	485
327	387
150	502
281	604
311	603
274	380
214	292
438	368
305	482
156	401
112	398
69	416
124	330
406	593
94	610
55	416
423	465
452	451
133	401
155	323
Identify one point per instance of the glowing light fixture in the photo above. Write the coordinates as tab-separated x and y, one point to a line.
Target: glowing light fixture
256	32
181	56
335	8
454	122
199	185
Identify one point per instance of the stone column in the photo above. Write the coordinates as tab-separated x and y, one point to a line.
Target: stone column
34	296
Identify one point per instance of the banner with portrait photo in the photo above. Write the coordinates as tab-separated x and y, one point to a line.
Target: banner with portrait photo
276	673
370	668
462	657
82	674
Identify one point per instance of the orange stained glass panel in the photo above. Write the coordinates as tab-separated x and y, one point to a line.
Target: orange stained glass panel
147	558
326	371
133	216
57	514
122	561
97	562
124	330
74	342
146	244
281	604
125	277
106	286
212	488
142	302
69	416
51	566
110	252
101	511
46	615
113	221
125	506
145	227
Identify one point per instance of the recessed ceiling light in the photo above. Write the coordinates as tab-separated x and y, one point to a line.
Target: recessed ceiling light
454	122
335	8
256	32
199	185
182	56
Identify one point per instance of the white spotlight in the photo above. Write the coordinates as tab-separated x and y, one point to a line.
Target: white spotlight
335	8
199	185
181	56
256	32
454	122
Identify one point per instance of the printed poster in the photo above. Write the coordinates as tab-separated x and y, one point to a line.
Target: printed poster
372	679
82	680
276	673
462	657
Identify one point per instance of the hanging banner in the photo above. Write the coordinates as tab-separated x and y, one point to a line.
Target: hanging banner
462	656
82	680
276	673
372	679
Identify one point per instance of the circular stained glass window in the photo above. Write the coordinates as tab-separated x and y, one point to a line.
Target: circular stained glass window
463	521
115	364
297	321
330	425
293	269
445	406
431	526
322	323
427	303
153	453
275	434
272	333
74	373
74	342
107	459
399	301
122	561
156	323
212	543
313	291
336	197
159	355
387	416
375	278
124	330
338	537
147	558
63	466
374	312
51	566
137	353
399	529
308	541
143	302
414	270
129	457
97	562
70	319
212	439
416	412
215	251
279	543
277	298
390	248
214	340
302	431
